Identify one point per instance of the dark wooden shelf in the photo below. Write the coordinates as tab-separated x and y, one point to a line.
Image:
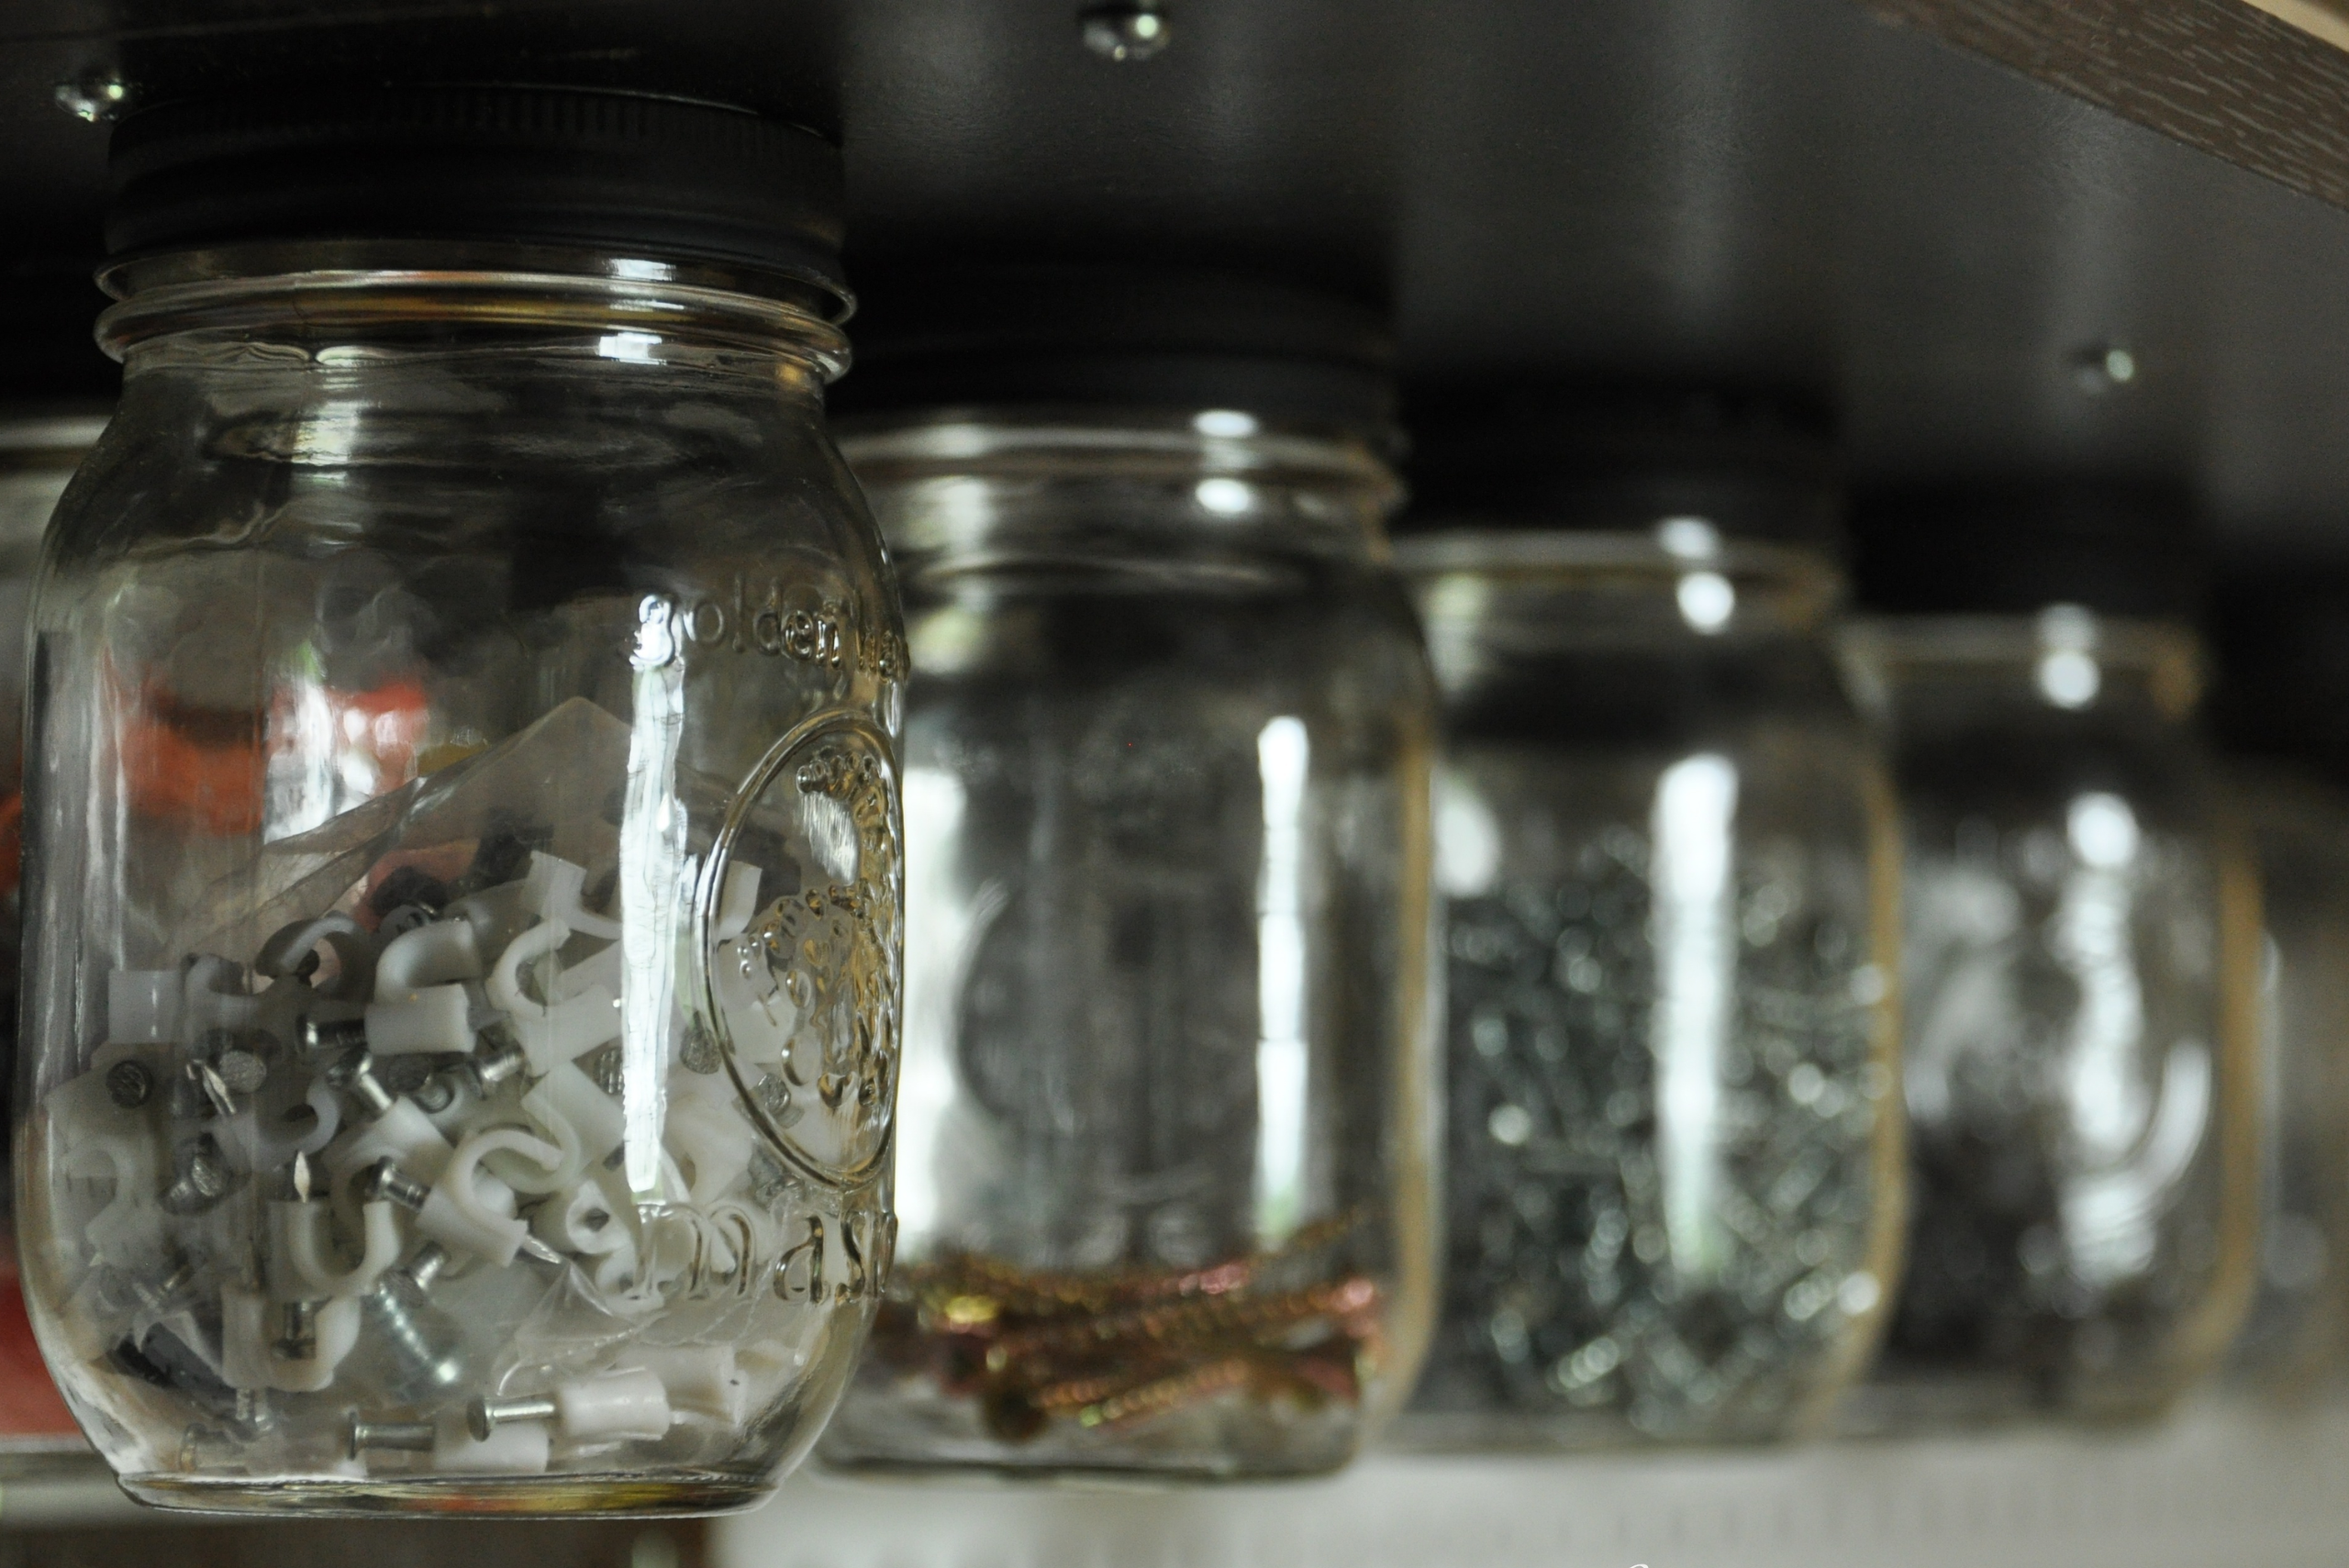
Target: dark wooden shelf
1930	212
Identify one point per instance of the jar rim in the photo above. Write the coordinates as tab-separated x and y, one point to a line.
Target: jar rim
1962	639
345	284
1536	554
1209	440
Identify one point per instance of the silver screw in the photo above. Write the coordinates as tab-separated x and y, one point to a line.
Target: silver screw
299	1342
1132	30
356	1072
203	1179
243	1072
385	1179
434	1095
317	1039
484	1416
95	96
423	1269
415	1437
128	1084
498	1058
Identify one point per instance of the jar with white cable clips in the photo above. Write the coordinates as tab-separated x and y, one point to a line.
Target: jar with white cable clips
463	830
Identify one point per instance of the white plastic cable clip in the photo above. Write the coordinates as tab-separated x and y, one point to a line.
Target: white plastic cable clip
401	1133
145	1006
700	1379
554	887
708	1137
301	1246
210	1005
105	1144
585	1220
569	1095
614	1275
254	1142
601	968
497	914
451	1210
631	1403
250	1357
432	954
517	1447
551	1033
435	1020
353	949
520	1448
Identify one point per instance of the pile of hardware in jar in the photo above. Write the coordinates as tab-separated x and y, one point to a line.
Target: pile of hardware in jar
360	1196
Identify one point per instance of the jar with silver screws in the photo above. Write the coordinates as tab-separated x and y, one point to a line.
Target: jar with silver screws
1163	1162
2079	960
463	840
1665	849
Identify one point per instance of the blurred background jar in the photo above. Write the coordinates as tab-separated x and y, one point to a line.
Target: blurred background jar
2293	1337
1163	1167
463	844
1666	849
2080	959
41	445
2280	638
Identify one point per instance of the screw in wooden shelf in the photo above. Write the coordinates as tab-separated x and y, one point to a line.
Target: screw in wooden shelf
96	97
2100	368
1132	30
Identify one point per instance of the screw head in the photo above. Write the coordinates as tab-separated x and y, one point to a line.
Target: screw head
2104	367
128	1084
95	96
1129	29
242	1071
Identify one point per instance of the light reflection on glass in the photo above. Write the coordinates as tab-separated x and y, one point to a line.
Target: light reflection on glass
652	877
2133	1139
1707	600
1696	955
1283	755
941	930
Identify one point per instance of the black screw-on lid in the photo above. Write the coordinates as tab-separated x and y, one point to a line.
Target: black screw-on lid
1758	466
2120	549
1131	338
647	176
2279	632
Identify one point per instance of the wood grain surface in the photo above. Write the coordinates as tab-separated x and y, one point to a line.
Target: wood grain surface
2223	76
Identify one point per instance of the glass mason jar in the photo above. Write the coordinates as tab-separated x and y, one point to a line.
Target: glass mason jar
1664	847
39	449
1163	1172
2079	969
462	833
2293	1340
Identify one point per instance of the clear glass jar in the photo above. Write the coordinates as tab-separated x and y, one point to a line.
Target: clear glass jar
1163	1163
2080	1020
2293	1340
464	884
39	449
1665	846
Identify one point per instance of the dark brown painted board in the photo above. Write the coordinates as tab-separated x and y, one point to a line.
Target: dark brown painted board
1776	191
2220	75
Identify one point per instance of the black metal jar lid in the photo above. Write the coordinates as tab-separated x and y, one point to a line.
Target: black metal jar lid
1756	466
2016	548
639	175
1038	336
